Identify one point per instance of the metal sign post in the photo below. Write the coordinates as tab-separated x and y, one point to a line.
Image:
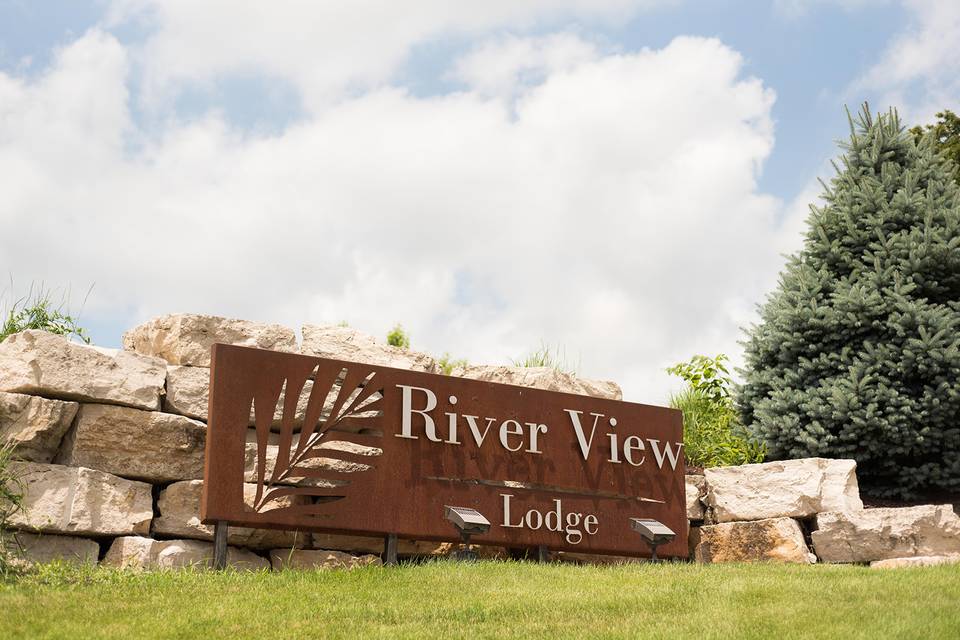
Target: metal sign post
220	545
390	549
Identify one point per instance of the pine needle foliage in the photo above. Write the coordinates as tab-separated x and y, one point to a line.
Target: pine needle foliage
857	353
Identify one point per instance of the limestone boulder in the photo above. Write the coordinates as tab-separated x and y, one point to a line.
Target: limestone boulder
136	552
188	393
693	539
34	425
791	488
374	545
145	445
881	534
695	489
179	507
594	558
76	500
333	464
302	559
45	364
916	561
41	549
546	378
344	343
774	539
186	338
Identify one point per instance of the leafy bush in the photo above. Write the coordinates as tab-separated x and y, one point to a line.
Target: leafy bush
712	434
448	364
398	337
946	137
11	501
546	356
36	311
857	353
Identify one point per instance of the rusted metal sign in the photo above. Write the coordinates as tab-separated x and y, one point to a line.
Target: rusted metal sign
298	442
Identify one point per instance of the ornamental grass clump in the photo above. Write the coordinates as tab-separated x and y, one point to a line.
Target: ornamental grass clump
547	356
37	311
712	434
857	352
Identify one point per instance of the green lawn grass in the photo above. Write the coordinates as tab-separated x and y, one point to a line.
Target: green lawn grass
489	600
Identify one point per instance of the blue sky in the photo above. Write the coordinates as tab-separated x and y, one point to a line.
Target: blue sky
616	177
809	58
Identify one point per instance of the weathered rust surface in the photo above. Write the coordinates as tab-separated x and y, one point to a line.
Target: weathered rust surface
362	472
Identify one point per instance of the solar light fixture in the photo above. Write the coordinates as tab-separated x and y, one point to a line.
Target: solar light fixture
468	522
654	532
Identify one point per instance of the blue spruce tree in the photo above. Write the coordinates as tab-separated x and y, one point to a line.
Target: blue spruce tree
857	353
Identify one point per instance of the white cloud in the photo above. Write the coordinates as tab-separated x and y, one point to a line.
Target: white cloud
324	48
611	208
800	8
504	65
919	71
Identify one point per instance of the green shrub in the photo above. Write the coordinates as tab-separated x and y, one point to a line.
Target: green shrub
398	337
11	501
37	311
448	364
945	134
857	353
712	434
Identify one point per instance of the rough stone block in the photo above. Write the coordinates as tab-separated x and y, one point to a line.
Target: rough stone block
594	558
135	552
34	425
916	561
185	338
146	445
775	539
693	539
179	506
332	464
546	378
44	364
791	488
300	559
374	545
41	549
881	534
75	500
695	489
344	343
188	393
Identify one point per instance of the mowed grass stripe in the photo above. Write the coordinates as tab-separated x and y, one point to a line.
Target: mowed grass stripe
489	600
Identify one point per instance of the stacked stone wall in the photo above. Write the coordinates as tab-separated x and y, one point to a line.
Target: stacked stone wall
110	446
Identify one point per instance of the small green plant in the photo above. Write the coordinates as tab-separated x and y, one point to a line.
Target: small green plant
712	433
11	501
398	337
36	310
448	364
546	356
